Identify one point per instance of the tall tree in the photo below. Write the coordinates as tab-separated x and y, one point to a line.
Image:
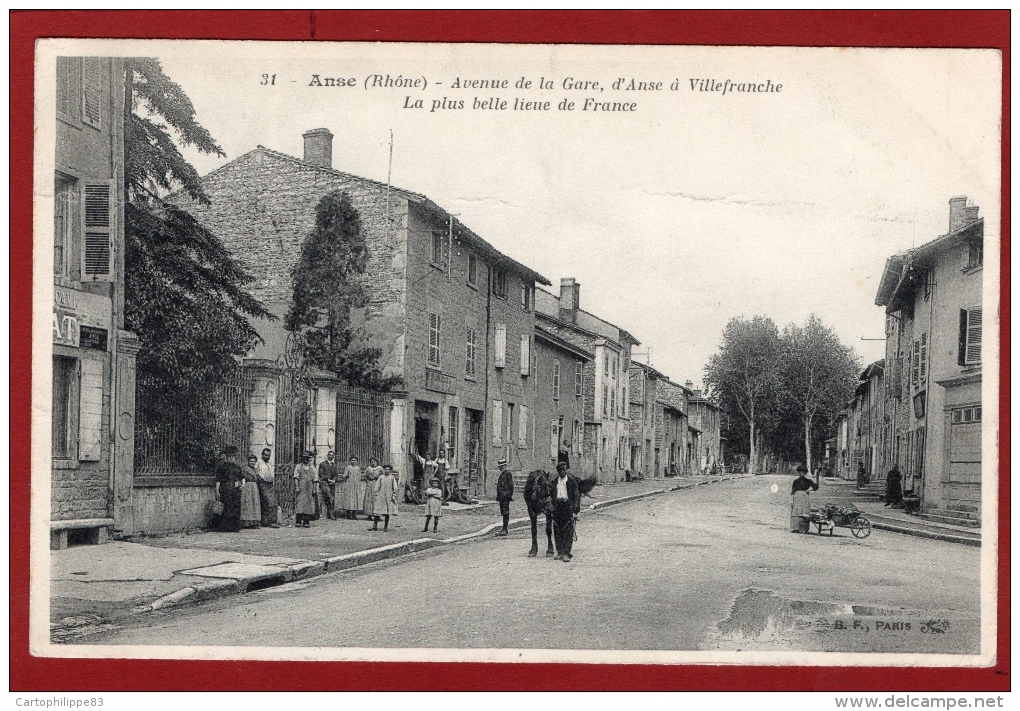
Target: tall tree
184	294
744	373
819	375
327	286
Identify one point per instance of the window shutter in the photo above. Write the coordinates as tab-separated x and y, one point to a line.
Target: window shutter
922	372
556	380
469	367
973	336
91	92
497	423
90	420
522	427
554	439
916	364
525	354
578	378
499	357
97	248
434	328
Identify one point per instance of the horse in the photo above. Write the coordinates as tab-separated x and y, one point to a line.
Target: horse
538	493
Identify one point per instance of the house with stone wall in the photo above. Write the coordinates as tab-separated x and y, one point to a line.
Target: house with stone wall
452	316
933	301
605	450
706	418
559	405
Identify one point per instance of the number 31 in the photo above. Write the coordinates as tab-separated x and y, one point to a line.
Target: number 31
268	79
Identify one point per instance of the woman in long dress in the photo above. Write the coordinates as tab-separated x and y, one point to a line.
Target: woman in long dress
306	481
369	477
229	478
350	497
251	509
801	504
385	498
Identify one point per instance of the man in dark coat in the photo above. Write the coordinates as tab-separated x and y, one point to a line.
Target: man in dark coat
328	476
566	504
894	487
229	479
504	494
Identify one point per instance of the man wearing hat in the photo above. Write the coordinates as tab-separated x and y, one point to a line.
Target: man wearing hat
504	494
801	505
306	481
566	504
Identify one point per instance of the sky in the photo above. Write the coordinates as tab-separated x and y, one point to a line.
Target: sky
694	208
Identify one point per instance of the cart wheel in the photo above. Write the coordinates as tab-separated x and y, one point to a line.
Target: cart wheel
860	527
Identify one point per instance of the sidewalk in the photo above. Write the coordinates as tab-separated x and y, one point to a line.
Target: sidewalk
92	587
897	520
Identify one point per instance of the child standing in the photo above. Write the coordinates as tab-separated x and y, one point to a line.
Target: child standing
433	505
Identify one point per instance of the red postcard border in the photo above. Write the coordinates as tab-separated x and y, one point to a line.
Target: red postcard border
961	29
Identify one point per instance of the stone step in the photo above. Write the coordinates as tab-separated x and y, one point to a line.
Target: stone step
951	518
958	513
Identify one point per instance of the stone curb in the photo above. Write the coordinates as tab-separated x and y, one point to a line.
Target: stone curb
200	592
918	533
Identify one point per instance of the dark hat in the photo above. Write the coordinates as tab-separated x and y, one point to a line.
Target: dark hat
229	449
501	460
561	466
434	479
802	469
251	456
387	467
307	454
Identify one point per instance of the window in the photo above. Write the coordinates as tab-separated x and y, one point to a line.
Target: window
472	275
606	361
69	87
452	430
499	356
509	422
65	407
919	363
614	369
578	378
554	439
927	276
91	91
435	323
975	254
469	366
522	428
612	403
66	217
499	283
525	296
966	415
623	402
497	423
970	337
556	380
525	355
605	399
621	452
437	248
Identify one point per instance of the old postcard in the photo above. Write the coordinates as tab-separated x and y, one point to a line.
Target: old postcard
606	354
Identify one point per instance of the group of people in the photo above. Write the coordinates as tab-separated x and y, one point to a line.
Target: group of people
800	507
246	497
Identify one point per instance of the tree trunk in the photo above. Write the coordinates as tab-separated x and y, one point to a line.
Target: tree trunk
807	443
750	459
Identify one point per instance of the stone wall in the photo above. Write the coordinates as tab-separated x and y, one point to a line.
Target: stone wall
164	509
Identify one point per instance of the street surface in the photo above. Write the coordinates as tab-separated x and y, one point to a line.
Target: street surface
709	568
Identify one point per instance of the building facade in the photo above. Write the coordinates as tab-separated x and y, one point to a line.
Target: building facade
93	356
452	317
559	405
933	300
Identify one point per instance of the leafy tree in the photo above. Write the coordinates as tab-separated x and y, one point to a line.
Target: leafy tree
819	376
744	374
327	286
184	294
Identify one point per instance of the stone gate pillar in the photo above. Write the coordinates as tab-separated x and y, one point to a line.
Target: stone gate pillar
262	408
123	475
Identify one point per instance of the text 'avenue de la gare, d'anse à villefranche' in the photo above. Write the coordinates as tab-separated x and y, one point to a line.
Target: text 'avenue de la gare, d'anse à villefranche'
582	94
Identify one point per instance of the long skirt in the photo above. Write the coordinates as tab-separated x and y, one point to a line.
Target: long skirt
350	496
251	509
368	505
800	506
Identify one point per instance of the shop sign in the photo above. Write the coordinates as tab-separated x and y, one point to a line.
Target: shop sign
73	311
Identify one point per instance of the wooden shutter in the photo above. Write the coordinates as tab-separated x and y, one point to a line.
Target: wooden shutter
499	357
578	378
90	412
469	367
434	330
98	219
556	380
922	372
554	439
525	354
497	423
973	335
91	92
522	427
915	364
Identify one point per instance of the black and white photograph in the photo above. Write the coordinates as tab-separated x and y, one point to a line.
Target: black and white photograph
516	353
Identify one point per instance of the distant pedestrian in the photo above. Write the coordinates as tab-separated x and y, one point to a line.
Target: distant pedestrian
504	494
327	484
385	504
566	504
800	505
862	476
251	510
351	494
267	489
229	479
306	479
433	504
894	487
369	479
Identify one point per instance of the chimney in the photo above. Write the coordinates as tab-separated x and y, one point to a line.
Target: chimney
689	385
960	214
319	147
570	299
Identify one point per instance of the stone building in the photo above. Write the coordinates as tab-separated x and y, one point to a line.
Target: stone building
452	316
661	439
705	418
933	300
558	379
605	450
93	356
